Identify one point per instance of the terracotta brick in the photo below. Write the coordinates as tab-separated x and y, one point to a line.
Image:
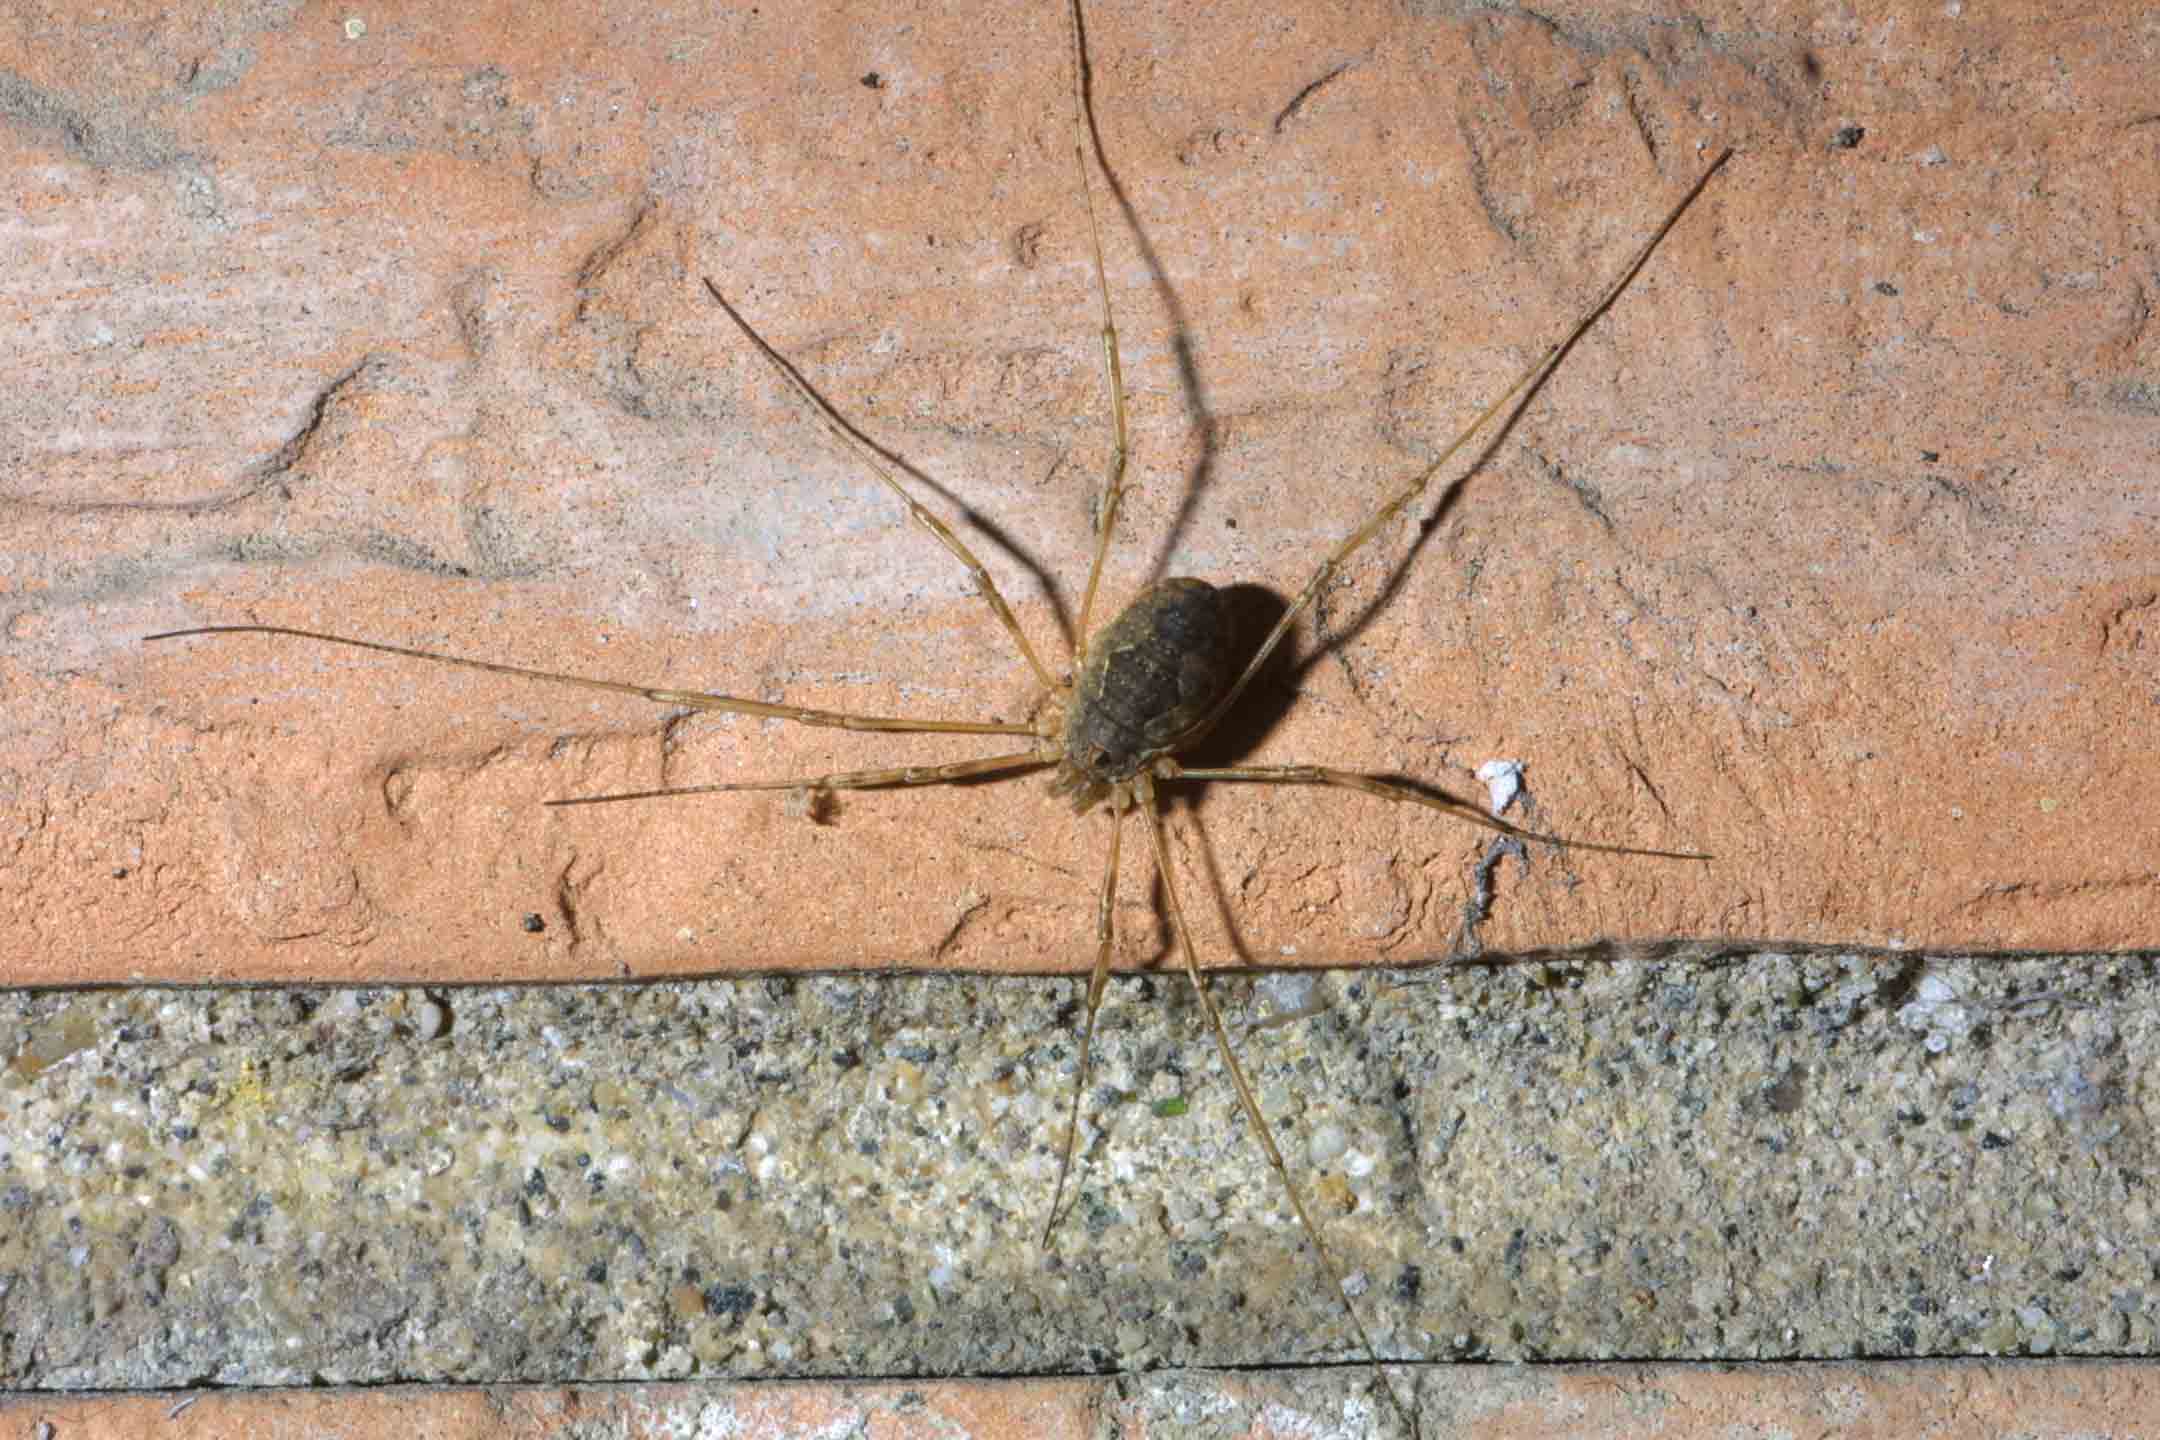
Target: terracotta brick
1828	551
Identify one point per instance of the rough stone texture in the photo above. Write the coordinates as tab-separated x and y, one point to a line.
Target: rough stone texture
2045	1401
1780	1157
1830	551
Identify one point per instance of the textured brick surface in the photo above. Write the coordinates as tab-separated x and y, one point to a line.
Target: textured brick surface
2045	1401
1829	551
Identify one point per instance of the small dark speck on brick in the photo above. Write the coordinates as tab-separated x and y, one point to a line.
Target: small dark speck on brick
1848	137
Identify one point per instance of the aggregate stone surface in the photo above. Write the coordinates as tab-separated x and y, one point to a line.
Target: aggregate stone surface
1761	1156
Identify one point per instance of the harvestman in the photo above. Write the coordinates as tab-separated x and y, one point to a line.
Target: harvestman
1157	679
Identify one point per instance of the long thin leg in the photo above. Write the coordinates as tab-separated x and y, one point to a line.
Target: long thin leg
1113	491
897	778
1394	790
1105	943
692	699
1416	487
847	435
1244	1088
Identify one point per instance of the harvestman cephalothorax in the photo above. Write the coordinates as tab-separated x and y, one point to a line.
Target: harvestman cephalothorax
1146	687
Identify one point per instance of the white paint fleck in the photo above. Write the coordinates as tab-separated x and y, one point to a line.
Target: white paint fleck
1503	782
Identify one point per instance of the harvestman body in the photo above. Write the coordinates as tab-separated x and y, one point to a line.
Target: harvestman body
1149	685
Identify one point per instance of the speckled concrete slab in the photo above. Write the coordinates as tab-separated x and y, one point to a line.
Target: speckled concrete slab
1773	1156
